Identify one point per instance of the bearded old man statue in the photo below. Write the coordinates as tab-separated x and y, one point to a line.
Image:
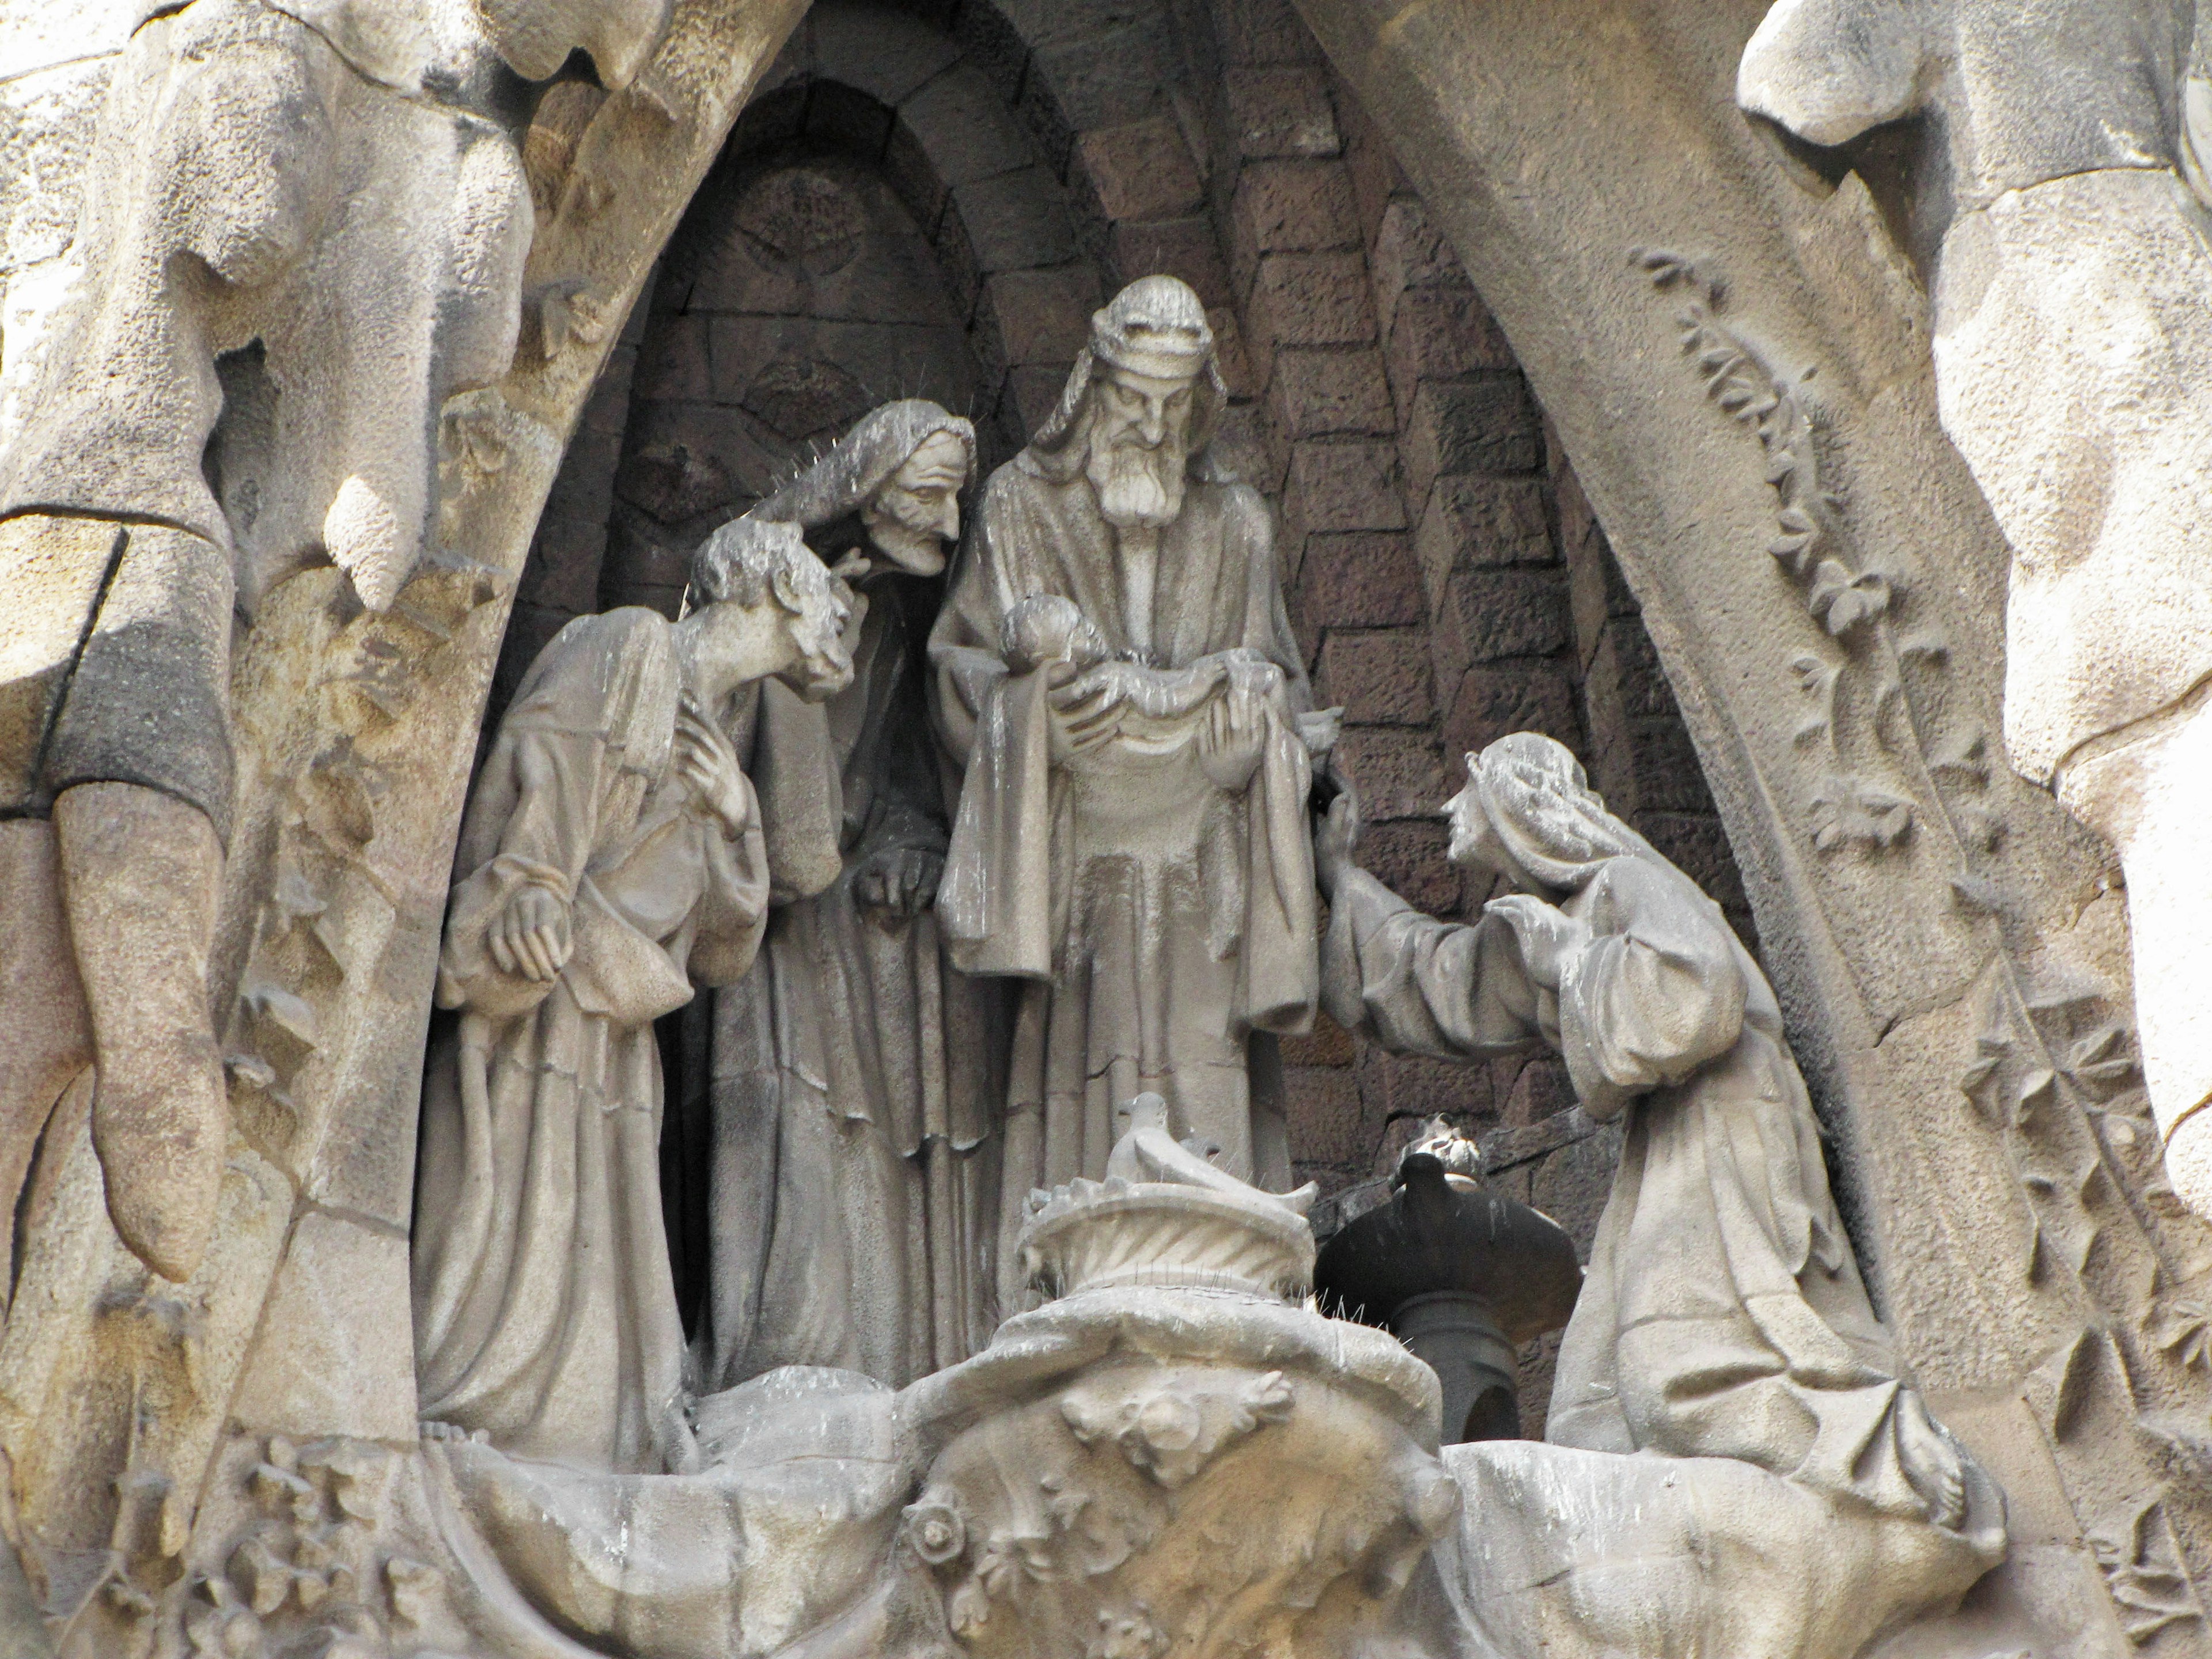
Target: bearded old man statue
611	853
852	1096
1116	673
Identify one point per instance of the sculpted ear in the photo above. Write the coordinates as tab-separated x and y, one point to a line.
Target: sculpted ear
1830	70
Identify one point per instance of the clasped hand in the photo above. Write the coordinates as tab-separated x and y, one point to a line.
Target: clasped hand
708	765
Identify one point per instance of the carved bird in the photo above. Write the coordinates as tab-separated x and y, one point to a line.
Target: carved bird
1149	1151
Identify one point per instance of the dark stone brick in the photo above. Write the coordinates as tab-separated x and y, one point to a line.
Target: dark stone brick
1409	253
1381	677
1664	762
1037	316
1239	445
1625	675
1033	392
1408	858
1697	843
1542	1090
1323	1112
845	119
1279	113
1343	486
1396	773
1477	522
1571	1185
1440	333
1488	615
1309	300
1141	170
1315	299
562	573
673	363
1367	579
963	127
1014	221
883	53
992	42
1179	247
1266	31
1319	394
1326	1044
1376	174
1117	73
1486	425
1289	207
1414	1088
1531	693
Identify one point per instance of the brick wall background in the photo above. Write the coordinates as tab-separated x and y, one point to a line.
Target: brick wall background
930	198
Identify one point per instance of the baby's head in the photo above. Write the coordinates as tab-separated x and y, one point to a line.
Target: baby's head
1048	627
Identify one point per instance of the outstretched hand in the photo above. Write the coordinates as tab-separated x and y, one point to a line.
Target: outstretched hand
1334	839
1231	737
1547	937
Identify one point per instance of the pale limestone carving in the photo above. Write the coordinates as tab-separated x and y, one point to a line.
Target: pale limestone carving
2070	299
1723	1317
1084	1484
850	1216
1139	823
329	193
612	853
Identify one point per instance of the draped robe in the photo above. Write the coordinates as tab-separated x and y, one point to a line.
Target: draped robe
545	1312
1722	1315
853	1073
1164	927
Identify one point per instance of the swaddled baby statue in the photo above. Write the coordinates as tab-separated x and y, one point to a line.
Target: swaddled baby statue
612	854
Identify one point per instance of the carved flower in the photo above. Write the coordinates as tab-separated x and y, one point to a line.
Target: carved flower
936	1528
1842	600
1170	1423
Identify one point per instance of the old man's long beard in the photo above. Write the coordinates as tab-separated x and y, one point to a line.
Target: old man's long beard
1137	488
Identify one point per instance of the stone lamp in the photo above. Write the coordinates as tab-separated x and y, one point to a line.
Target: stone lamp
1461	1276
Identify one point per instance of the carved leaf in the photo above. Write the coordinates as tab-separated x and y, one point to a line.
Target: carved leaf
2184	1329
1962	756
1850	812
2142	1576
1842	601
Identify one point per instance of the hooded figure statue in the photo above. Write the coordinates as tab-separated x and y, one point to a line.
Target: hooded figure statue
851	1176
1723	1315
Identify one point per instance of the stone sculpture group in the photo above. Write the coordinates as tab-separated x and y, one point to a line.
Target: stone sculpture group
997	818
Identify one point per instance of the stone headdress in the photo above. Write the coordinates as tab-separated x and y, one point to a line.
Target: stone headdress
862	462
1539	801
1155	326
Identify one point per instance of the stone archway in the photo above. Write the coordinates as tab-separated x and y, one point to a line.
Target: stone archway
1734	353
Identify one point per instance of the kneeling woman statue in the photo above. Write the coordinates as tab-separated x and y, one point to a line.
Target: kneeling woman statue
611	855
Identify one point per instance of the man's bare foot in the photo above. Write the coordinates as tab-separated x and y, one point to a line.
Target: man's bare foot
1932	1461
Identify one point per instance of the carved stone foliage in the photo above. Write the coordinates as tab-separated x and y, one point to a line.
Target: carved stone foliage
2052	1072
1111	1517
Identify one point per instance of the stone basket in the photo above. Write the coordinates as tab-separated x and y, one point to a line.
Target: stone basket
1092	1234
